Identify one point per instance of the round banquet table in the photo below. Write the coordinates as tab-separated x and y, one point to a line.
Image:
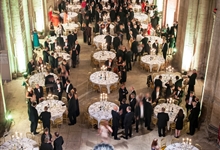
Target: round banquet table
70	26
53	38
180	146
103	146
166	78
70	15
73	7
136	7
39	78
98	78
144	26
168	108
98	113
150	38
152	60
65	56
55	107
20	143
140	16
100	40
103	55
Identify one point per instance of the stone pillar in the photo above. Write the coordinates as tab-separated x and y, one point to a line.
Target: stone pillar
2	110
171	11
38	15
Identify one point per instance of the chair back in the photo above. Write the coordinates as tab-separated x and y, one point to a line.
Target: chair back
198	146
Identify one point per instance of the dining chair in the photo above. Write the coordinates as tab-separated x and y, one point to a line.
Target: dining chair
29	135
65	116
155	68
176	102
33	72
147	68
55	97
154	120
175	140
95	87
163	143
40	127
113	87
103	89
64	100
198	146
172	127
161	100
153	104
57	122
112	50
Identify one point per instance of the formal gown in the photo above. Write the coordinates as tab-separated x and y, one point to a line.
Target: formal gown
77	108
179	122
36	40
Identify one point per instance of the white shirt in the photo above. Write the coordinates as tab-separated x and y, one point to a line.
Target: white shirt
190	101
157	94
58	85
109	64
141	111
67	88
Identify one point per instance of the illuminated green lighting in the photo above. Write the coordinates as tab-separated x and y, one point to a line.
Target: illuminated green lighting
9	117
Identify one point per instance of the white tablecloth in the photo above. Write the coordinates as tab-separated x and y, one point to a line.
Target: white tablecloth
168	109
65	56
103	55
166	78
73	7
27	144
100	40
180	146
39	78
54	107
70	15
152	60
144	26
53	38
70	26
150	38
99	79
140	16
136	7
98	113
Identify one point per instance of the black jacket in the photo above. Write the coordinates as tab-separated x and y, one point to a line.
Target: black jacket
128	119
58	142
162	119
115	118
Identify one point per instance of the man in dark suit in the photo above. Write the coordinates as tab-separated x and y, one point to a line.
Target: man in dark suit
112	15
58	89
58	142
189	99
60	41
80	18
134	49
134	31
38	91
179	82
45	55
162	122
116	42
179	94
97	15
156	94
47	44
128	56
131	14
89	34
52	61
30	66
158	82
164	49
192	81
72	109
66	46
70	39
108	40
148	48
68	87
193	118
139	115
109	64
128	122
170	90
132	102
49	82
122	109
148	110
45	118
46	145
156	46
115	122
33	118
122	93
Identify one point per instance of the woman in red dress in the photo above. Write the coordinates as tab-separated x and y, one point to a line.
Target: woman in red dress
143	6
149	29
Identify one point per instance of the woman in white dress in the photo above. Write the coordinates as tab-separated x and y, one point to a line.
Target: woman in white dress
104	129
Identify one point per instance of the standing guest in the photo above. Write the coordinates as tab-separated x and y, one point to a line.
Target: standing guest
74	55
109	64
156	46
115	122
52	61
164	49
139	114
70	39
192	81
72	109
162	122
30	99
38	91
128	57
128	122
154	145
116	42
45	118
51	28
58	89
40	61
80	18
134	49
123	73
132	92
58	142
179	94
108	40
89	33
49	82
46	145
179	123
158	82
64	74
45	55
122	93
78	48
156	94
132	102
170	90
193	119
119	63
30	66
33	118
46	135
189	99
66	46
122	109
148	110
68	87
60	41
179	82
35	39
104	129
74	92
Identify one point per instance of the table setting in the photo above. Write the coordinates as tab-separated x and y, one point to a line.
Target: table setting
181	146
150	38
104	55
152	60
106	78
72	7
53	38
166	77
141	16
71	15
20	143
70	26
170	108
65	56
39	78
55	107
100	41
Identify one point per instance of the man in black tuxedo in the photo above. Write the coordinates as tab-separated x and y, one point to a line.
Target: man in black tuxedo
80	18
109	64
148	47
38	91
47	44
58	142
66	46
164	49
45	118
192	81
134	49
116	42
156	46
60	41
97	15
148	110
112	15
70	39
68	87
162	122
179	82
158	82
128	56
156	94
122	93
131	14
33	118
58	89
72	109
139	114
45	55
108	40
132	92
135	31
189	99
49	82
122	109
88	34
52	61
132	102
115	122
170	90
30	66
128	122
193	118
179	94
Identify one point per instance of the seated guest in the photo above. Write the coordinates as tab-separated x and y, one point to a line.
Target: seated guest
49	82
38	91
58	142
109	64
189	99
156	95
30	66
46	135
45	118
170	90
154	145
66	46
128	122
179	94
162	122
